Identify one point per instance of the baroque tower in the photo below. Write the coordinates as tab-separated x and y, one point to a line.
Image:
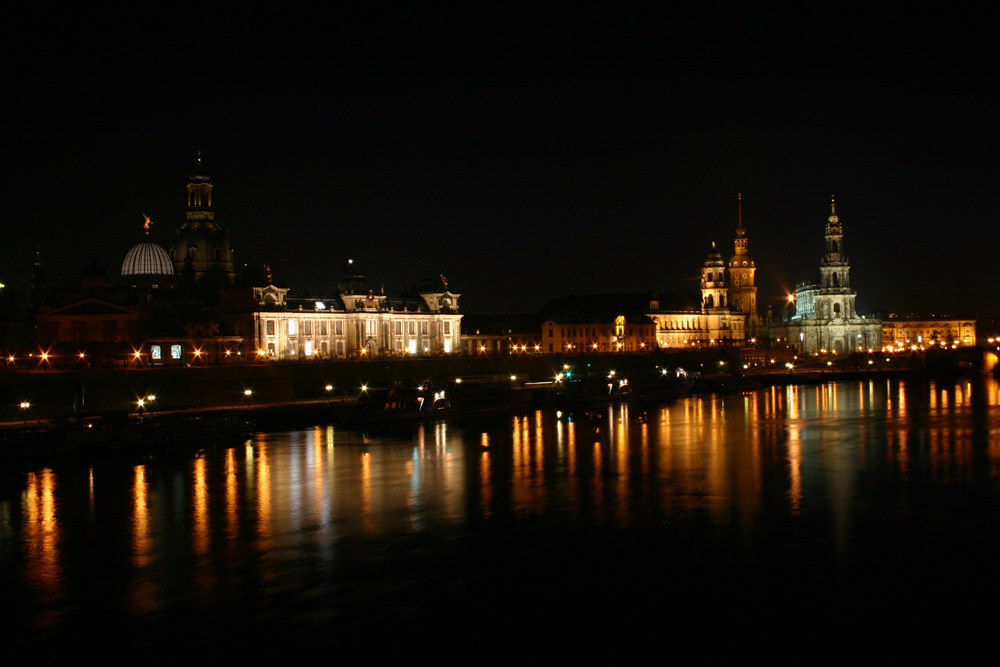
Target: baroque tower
835	298
713	281
742	287
201	248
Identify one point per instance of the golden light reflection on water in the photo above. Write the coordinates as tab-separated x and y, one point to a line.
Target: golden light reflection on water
42	530
794	449
142	541
200	509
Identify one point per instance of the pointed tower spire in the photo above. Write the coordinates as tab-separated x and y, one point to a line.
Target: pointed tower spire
742	285
739	209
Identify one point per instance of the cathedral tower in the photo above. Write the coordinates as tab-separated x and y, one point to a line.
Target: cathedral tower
742	287
835	298
201	248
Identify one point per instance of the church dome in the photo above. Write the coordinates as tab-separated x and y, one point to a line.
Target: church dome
147	259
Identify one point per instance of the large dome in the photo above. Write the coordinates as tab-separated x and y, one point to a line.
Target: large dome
147	259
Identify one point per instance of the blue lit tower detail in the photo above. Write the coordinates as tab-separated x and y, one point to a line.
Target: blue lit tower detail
742	285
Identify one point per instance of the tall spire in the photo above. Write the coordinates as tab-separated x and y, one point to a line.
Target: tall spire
739	208
833	209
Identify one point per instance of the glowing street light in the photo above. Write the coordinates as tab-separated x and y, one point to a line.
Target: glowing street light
25	406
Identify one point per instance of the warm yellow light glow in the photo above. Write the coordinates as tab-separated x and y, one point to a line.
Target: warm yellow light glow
248	392
197	353
329	387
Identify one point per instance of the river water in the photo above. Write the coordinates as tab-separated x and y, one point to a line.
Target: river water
793	524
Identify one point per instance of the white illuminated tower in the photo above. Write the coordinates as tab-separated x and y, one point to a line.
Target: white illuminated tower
742	286
835	299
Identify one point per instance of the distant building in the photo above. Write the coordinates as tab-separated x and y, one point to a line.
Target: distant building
637	322
728	307
922	332
824	319
598	323
501	334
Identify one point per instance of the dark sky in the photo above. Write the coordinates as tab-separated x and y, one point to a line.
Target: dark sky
525	155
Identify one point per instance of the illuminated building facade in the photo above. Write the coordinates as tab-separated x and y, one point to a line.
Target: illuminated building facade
909	332
598	323
728	306
825	319
356	323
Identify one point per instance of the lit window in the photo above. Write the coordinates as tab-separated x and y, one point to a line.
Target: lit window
155	352
293	328
309	348
412	347
175	351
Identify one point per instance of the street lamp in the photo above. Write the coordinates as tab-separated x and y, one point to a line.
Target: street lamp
24	411
248	393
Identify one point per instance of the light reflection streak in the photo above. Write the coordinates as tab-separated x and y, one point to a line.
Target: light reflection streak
42	529
485	485
199	518
142	542
231	487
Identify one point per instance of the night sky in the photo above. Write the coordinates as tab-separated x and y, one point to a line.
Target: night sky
523	154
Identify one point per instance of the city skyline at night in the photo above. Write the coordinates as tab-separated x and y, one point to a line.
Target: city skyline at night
523	163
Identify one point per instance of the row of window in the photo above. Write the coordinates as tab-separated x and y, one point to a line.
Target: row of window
321	327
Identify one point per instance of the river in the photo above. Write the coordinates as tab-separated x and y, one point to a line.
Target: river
794	523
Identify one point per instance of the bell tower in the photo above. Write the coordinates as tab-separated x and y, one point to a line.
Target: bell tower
201	248
742	285
713	282
199	194
835	299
